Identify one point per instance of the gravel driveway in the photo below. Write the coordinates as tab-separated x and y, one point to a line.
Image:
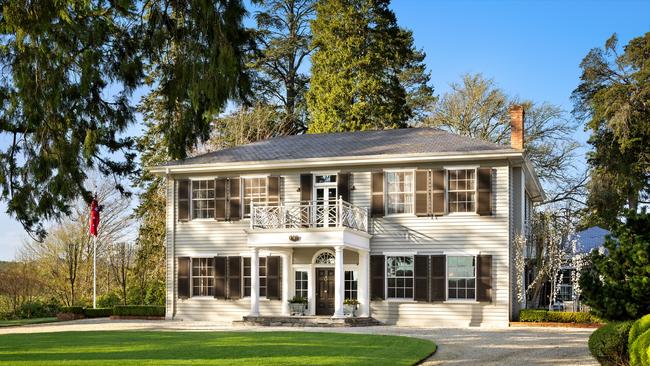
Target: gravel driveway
457	346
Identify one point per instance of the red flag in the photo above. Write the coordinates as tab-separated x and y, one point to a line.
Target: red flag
94	217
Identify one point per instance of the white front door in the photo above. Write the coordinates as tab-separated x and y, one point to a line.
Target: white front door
325	200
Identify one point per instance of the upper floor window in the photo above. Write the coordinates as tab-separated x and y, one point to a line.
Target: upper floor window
203	199
461	277
399	277
399	192
202	277
462	190
254	189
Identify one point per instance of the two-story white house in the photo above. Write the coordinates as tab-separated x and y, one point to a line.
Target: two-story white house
416	224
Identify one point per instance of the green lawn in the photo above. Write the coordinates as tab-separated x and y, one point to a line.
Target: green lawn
210	348
11	323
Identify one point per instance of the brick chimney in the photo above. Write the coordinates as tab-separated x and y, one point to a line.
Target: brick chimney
517	127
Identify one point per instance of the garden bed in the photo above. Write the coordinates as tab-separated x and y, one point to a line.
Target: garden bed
555	325
133	317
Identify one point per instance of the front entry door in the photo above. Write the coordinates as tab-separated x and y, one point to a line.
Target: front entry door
324	291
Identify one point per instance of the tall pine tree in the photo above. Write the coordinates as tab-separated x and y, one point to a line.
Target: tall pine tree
359	69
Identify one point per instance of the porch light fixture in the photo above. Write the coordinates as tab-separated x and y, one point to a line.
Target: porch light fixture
294	237
353	188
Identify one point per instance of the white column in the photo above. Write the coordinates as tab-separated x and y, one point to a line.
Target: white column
255	283
338	283
364	284
285	284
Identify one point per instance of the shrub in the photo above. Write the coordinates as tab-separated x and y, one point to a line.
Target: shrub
533	315
36	309
98	312
640	349
608	344
109	300
78	310
639	327
569	317
139	310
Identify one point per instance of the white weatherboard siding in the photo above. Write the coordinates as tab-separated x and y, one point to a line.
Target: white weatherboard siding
449	234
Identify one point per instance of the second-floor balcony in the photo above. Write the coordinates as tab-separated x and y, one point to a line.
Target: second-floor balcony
335	213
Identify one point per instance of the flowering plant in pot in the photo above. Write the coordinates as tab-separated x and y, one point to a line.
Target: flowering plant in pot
298	305
350	307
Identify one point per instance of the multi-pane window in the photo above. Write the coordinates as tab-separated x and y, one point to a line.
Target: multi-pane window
399	196
202	277
203	199
247	276
350	285
399	275
461	190
565	285
254	190
301	284
461	277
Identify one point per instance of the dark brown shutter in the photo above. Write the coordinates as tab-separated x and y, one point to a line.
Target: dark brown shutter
273	278
306	183
183	273
421	274
273	190
343	186
220	199
234	277
484	191
220	277
377	280
484	278
422	193
438	277
377	199
234	199
438	192
183	200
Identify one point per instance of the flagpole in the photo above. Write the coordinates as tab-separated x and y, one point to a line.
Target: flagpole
94	271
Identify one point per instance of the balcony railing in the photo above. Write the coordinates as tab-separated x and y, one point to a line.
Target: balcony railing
309	214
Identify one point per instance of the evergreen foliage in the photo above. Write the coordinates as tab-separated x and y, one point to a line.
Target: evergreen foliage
616	285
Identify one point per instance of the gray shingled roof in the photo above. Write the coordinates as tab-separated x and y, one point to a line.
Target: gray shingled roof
364	143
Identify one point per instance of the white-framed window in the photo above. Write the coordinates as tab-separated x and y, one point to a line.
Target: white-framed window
461	277
461	192
325	258
253	189
203	199
202	276
565	292
399	192
350	285
247	276
301	284
399	277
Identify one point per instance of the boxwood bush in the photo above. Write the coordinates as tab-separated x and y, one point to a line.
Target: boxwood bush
72	310
638	328
608	344
639	342
139	310
542	315
98	312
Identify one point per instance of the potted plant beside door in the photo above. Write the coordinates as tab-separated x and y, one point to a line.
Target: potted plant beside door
298	305
350	307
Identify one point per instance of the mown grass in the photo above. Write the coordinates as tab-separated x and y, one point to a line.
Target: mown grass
210	348
11	323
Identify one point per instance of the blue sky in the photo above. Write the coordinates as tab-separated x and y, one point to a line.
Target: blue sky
532	49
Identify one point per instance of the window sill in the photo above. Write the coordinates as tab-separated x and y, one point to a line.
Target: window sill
463	214
465	302
400	215
405	300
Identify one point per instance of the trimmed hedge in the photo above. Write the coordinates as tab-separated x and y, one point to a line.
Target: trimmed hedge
541	315
139	310
608	344
639	327
98	313
79	310
640	350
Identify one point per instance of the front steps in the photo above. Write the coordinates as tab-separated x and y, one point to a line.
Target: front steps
305	321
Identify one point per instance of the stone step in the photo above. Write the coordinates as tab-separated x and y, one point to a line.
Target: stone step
305	321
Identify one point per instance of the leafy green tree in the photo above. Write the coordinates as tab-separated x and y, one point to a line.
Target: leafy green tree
68	69
614	101
616	285
360	67
476	107
283	38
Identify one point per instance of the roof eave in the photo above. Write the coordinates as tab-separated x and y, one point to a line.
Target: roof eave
328	161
